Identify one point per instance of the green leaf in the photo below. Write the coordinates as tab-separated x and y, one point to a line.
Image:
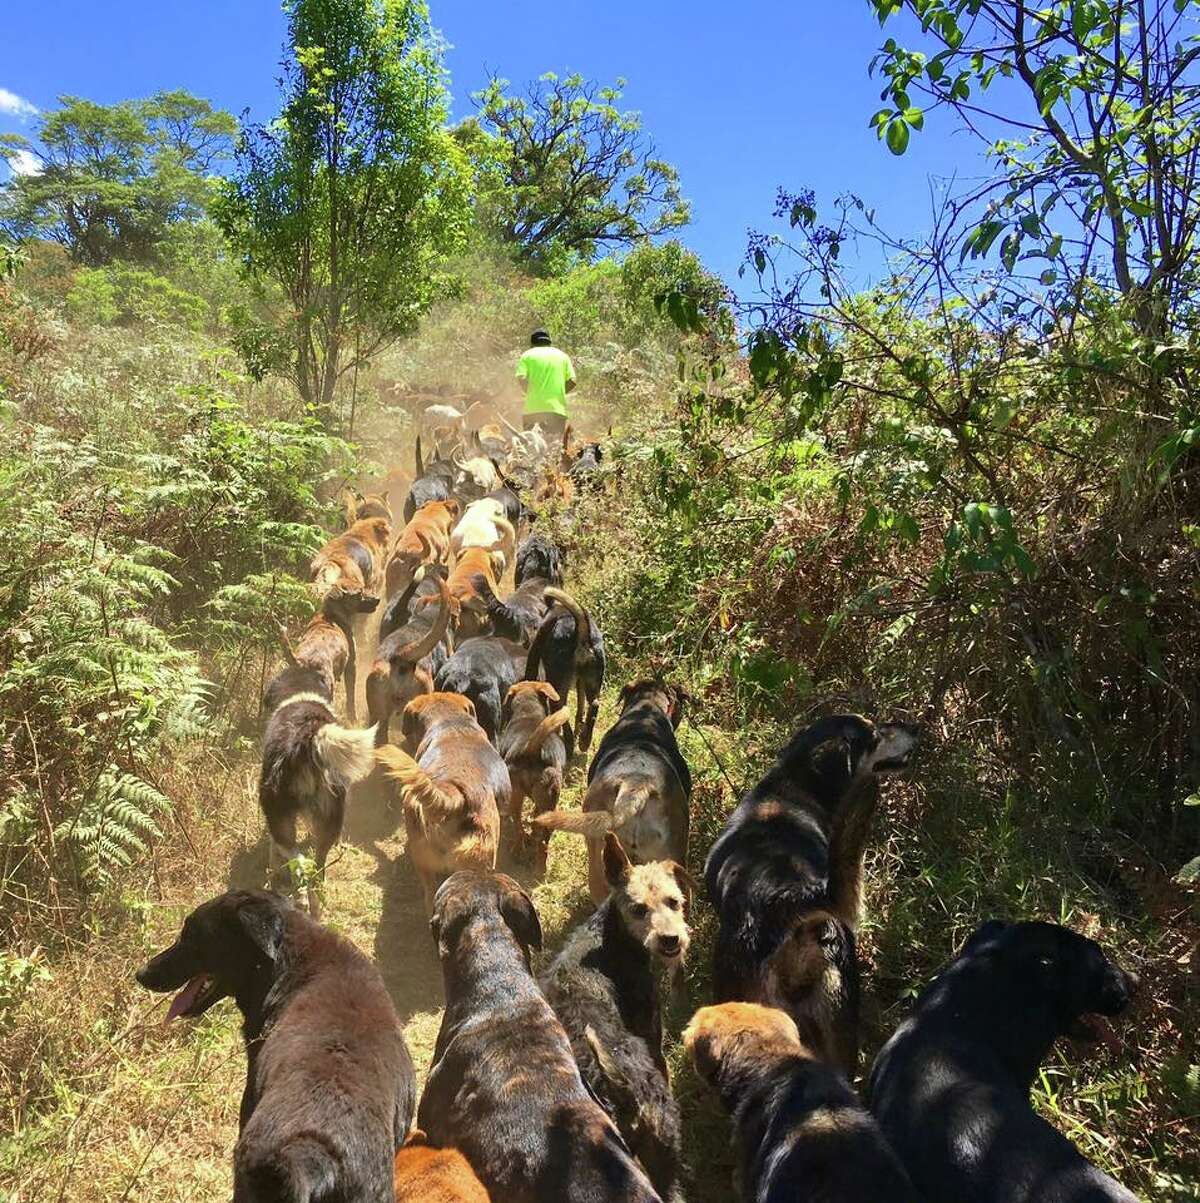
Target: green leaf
897	136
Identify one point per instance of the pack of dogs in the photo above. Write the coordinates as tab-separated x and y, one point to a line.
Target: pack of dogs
553	1084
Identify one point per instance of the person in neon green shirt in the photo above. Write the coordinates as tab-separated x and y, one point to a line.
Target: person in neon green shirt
546	376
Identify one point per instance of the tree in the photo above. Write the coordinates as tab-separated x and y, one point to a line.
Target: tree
566	173
111	179
1091	108
350	198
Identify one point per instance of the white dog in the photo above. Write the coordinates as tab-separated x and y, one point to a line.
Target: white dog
484	524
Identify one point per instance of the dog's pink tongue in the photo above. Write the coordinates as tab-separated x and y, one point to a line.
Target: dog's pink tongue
183	1001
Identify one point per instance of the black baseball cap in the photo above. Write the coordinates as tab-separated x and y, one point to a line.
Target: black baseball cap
540	338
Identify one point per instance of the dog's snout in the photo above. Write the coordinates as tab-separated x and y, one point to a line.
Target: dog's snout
1119	989
669	944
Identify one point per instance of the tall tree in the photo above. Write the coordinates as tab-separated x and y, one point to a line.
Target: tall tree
1091	108
566	173
111	179
352	196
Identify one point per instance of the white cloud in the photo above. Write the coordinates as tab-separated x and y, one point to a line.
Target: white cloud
24	162
14	105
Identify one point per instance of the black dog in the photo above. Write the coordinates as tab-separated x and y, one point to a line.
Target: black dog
330	1089
402	608
802	1133
951	1087
483	668
521	614
569	650
785	877
434	482
504	1087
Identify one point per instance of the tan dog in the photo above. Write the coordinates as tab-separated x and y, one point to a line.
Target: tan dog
359	506
424	540
326	648
484	524
452	792
404	666
427	1175
470	605
353	561
536	749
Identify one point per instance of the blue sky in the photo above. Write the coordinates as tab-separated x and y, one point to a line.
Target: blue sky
742	98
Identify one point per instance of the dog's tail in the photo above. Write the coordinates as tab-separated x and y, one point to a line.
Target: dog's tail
546	728
418	791
508	538
593	824
629	800
299	1170
347	753
288	654
583	620
420	465
413	652
511	427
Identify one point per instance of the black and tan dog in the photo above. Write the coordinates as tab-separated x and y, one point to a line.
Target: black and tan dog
536	743
785	877
326	650
406	661
453	788
330	1089
309	761
483	669
603	987
567	651
520	615
951	1087
639	785
434	482
504	1087
801	1131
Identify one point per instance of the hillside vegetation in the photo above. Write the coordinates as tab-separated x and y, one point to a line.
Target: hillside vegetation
967	496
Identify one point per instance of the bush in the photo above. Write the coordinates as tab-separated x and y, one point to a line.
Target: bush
126	295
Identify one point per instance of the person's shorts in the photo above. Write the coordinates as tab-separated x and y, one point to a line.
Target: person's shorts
553	425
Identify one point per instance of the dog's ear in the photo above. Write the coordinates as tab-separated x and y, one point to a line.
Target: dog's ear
506	706
521	916
449	915
686	882
262	921
454	506
625	695
467	705
498	564
350	505
616	862
410	725
984	934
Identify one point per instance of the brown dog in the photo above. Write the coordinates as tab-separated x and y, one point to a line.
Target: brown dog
425	540
452	792
327	646
428	1175
535	743
470	604
504	1086
406	661
353	561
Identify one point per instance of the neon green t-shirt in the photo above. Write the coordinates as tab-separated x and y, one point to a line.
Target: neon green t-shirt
547	369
